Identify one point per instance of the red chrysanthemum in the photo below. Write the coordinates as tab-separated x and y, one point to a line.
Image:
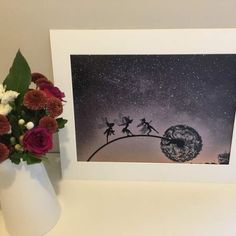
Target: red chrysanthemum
52	91
54	107
36	76
4	125
41	82
49	123
4	152
35	100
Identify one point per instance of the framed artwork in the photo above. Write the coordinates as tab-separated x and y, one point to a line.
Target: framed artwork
147	104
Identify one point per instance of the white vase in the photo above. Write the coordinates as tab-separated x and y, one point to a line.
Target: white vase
28	200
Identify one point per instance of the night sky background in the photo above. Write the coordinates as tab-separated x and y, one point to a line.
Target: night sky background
195	90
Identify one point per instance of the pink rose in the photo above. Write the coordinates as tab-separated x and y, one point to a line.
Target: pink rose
38	141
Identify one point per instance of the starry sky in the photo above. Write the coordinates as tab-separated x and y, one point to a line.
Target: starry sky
195	90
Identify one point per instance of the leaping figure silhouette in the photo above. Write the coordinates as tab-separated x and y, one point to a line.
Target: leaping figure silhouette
109	131
146	127
126	121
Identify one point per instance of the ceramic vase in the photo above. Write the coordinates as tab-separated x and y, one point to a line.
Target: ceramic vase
28	201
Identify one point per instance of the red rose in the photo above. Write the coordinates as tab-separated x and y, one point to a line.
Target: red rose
38	141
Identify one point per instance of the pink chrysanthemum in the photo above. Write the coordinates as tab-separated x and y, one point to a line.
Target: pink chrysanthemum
4	152
4	125
54	107
35	100
49	123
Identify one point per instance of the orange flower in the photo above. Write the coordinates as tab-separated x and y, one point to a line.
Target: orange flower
4	125
35	100
4	152
49	123
54	107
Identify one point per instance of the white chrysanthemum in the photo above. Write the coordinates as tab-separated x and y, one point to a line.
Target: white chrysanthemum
2	90
9	96
5	109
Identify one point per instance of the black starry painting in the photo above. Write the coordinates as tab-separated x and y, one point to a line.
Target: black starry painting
154	108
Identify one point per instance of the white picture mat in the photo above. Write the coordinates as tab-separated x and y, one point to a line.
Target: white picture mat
124	42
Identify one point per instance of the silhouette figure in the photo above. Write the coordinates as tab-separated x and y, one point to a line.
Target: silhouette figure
109	131
126	121
146	127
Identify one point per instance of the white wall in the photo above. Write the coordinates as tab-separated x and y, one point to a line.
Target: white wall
25	24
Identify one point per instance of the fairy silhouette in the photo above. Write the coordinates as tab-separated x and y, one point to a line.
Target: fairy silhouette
109	131
126	121
146	127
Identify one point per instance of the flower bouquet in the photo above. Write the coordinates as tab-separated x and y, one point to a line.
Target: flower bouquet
29	108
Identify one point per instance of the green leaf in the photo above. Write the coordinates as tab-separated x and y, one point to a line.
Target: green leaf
30	158
19	77
61	123
15	157
16	161
16	129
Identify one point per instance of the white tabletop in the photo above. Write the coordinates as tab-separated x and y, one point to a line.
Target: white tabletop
105	208
92	208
